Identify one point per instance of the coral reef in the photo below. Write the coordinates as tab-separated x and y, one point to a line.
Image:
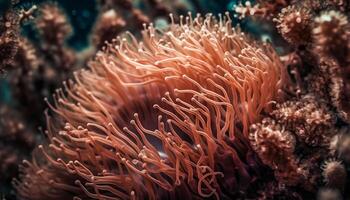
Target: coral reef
180	106
311	126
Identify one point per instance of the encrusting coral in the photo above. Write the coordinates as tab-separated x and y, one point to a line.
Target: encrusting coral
161	118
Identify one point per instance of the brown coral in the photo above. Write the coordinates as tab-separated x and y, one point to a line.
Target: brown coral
331	35
9	33
334	174
322	80
109	25
335	86
294	24
275	146
52	25
309	119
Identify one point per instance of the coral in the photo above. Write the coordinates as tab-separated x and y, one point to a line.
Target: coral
15	136
273	190
10	21
339	145
52	25
294	24
334	174
323	80
331	35
110	24
293	141
180	107
329	82
54	30
261	8
136	17
9	24
316	113
275	146
164	118
309	119
249	10
38	68
8	51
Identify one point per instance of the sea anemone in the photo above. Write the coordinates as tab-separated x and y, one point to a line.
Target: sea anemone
166	117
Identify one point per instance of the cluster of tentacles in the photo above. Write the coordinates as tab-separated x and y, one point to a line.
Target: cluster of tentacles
164	117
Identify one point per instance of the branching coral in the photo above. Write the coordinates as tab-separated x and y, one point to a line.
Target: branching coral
10	21
329	82
115	135
52	25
